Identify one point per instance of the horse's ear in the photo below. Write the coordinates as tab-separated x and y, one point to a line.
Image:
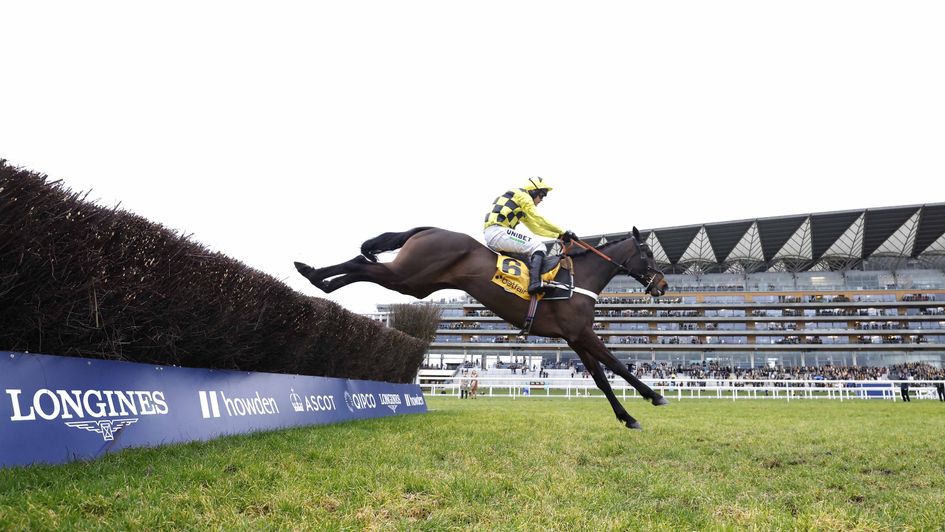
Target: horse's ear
636	233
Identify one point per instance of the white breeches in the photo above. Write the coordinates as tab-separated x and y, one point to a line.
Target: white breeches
503	239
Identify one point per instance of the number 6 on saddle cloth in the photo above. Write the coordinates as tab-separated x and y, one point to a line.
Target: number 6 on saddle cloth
557	277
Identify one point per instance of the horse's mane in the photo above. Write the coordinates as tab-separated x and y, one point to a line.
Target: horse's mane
577	250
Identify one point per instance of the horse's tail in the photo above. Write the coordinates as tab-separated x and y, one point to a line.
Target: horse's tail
387	242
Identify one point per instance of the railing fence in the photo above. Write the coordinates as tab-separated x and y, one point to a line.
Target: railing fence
684	388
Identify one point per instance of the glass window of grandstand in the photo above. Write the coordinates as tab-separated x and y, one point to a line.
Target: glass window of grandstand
724	299
725	313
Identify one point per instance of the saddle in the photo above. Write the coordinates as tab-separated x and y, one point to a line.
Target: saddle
556	274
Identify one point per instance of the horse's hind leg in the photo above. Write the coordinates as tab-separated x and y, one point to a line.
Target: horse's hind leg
318	276
370	272
311	274
331	278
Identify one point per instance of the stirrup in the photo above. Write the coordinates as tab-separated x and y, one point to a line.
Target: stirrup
537	291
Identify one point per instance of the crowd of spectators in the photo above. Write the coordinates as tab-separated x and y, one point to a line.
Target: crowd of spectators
916	371
856	312
713	288
918	297
872	325
634	340
637	300
713	370
663	370
610	313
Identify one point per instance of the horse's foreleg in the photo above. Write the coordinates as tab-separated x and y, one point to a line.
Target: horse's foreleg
600	352
597	372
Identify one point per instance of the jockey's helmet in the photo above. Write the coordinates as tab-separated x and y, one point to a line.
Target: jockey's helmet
538	184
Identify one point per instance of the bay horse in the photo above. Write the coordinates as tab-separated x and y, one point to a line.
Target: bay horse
432	259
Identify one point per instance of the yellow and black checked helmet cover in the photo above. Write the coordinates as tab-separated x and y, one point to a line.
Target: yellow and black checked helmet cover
537	183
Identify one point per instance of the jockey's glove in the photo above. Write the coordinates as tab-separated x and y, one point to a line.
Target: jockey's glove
568	236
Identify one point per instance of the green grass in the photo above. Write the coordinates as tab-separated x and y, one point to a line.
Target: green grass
524	464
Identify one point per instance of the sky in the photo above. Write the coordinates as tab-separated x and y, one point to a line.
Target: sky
282	131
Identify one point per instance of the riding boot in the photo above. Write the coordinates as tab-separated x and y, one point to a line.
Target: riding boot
534	272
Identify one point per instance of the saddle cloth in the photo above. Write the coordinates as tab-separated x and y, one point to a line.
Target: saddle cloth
512	275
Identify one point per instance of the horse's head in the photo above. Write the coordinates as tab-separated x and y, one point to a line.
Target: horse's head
642	266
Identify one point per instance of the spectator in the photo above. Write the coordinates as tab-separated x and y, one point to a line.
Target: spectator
474	384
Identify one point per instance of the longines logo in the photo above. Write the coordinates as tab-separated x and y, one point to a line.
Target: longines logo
109	410
391	400
106	427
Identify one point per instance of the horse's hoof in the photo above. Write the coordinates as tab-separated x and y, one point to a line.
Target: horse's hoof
303	268
309	273
659	400
634	425
322	285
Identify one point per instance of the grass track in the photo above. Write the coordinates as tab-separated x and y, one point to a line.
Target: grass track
524	464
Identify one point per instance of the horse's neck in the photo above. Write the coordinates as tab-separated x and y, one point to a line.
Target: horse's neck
593	273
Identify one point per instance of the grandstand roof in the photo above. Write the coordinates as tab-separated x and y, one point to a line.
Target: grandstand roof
816	241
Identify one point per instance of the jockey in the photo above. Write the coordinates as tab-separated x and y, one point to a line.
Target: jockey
518	205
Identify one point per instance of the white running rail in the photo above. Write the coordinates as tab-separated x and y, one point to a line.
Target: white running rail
683	388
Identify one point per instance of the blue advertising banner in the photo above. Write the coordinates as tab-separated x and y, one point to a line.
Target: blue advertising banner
57	409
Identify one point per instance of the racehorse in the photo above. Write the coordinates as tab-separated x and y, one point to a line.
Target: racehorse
432	259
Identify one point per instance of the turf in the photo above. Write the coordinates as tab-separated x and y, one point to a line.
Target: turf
494	463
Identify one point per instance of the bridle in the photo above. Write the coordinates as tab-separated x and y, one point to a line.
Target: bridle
649	279
652	276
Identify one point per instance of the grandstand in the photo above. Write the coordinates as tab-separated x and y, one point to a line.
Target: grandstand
850	288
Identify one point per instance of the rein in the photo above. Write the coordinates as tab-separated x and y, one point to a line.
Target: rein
600	254
646	280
